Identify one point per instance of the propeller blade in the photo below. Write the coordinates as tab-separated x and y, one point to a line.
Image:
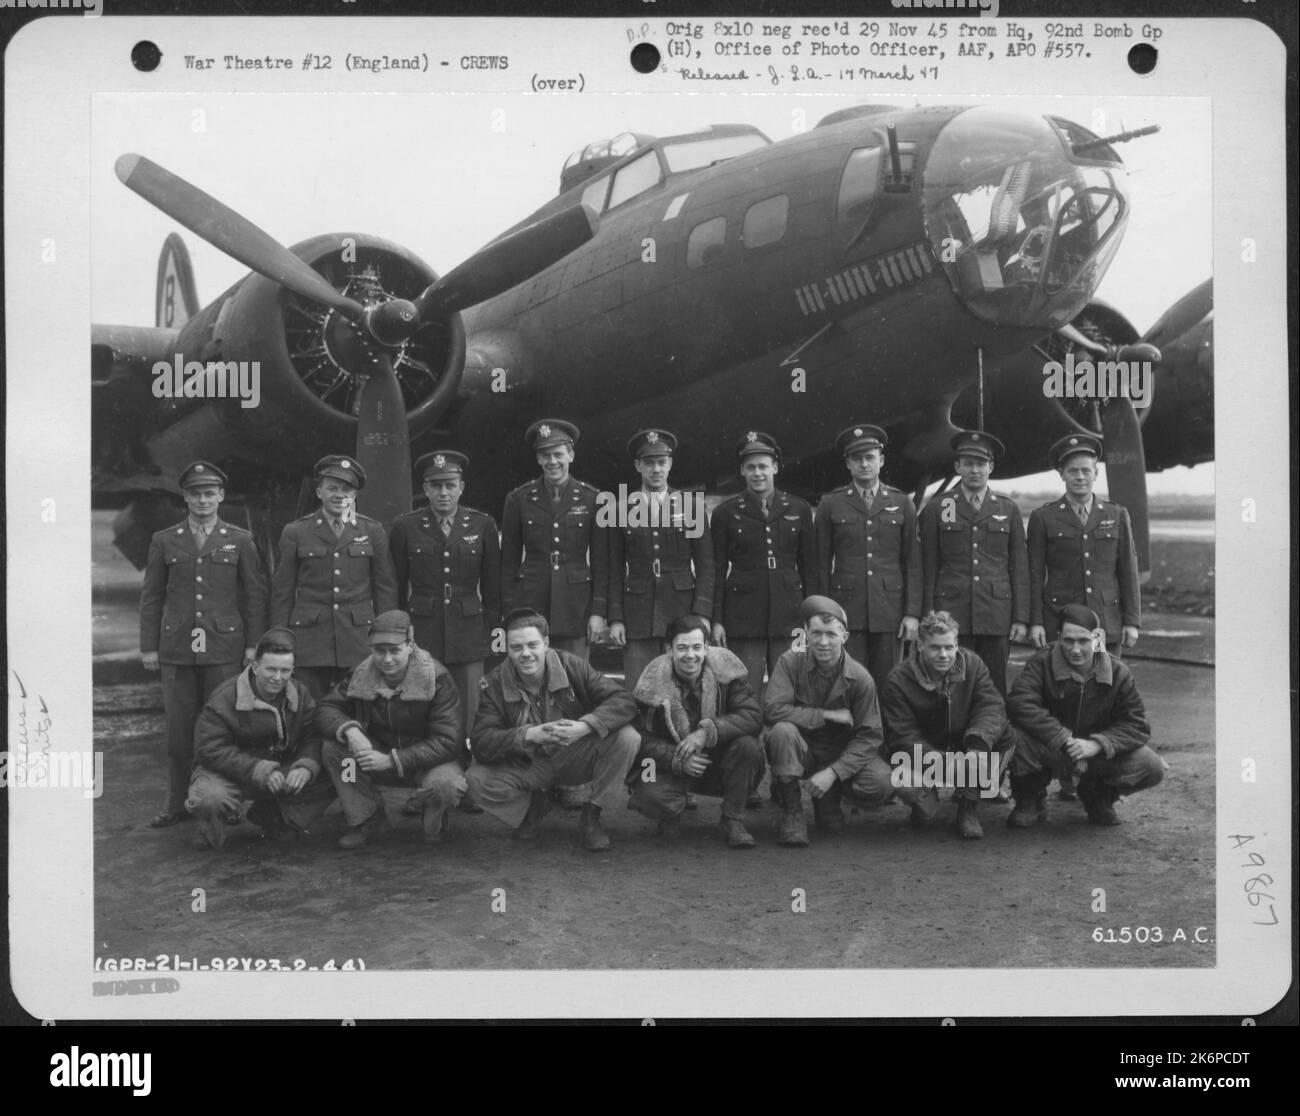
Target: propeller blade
509	261
1192	308
225	229
383	444
1126	472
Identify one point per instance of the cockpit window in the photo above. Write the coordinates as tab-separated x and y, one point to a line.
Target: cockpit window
765	222
1023	230
594	195
704	245
635	178
858	185
691	154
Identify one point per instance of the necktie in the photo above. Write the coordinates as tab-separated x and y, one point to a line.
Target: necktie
1082	513
200	535
766	504
336	525
445	524
975	500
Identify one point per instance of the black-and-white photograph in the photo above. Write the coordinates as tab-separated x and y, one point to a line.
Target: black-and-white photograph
652	726
727	531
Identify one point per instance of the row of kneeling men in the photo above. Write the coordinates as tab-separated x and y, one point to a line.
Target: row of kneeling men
690	723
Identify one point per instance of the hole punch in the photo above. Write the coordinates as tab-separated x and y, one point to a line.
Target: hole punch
145	56
1142	58
645	58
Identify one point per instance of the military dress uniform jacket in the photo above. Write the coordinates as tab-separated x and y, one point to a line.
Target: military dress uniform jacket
244	738
868	559
1093	564
923	712
651	580
327	589
450	584
576	691
762	565
545	552
1050	704
221	589
975	564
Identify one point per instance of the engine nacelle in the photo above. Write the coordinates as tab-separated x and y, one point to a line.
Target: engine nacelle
313	361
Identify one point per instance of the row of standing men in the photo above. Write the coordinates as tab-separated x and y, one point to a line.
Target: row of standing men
205	598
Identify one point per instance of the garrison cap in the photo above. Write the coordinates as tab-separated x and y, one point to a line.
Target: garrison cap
393	624
550	432
651	443
340	468
441	465
1081	615
201	472
854	439
975	443
755	441
277	637
1072	444
822	606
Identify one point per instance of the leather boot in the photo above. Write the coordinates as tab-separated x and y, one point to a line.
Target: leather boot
827	812
594	839
968	823
538	807
738	837
1030	793
212	830
268	816
794	830
1099	799
359	836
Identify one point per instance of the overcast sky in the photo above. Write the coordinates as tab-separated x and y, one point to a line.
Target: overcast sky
443	175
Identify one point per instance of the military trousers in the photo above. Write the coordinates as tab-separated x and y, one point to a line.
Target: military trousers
505	790
185	691
791	754
438	789
734	774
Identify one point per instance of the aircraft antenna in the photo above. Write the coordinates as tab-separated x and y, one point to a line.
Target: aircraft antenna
979	357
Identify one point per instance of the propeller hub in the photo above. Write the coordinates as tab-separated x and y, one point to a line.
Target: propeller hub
392	322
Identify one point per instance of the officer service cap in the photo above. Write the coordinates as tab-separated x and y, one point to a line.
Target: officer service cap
822	606
551	432
1081	615
756	441
976	443
441	465
341	467
1071	444
651	443
201	472
859	437
393	625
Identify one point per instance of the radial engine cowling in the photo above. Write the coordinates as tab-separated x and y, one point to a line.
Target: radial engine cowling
313	362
